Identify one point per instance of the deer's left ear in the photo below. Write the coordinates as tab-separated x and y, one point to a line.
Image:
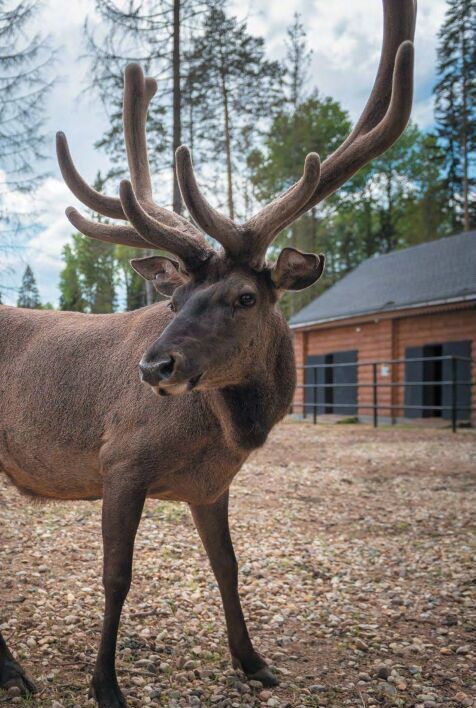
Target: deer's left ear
164	272
295	270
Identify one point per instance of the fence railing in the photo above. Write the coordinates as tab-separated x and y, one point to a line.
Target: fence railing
313	404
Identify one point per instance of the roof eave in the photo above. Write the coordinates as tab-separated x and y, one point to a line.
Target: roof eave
431	303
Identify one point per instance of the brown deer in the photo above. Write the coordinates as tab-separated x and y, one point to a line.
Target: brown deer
75	420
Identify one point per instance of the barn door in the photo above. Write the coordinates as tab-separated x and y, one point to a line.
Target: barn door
345	394
463	373
309	381
414	374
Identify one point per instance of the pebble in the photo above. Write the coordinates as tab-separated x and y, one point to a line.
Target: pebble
317	688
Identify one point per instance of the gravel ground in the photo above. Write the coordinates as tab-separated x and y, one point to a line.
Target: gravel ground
357	578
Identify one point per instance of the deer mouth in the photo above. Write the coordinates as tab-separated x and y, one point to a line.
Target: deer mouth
178	388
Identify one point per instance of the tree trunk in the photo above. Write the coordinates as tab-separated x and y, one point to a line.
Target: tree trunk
465	136
149	286
229	164
177	101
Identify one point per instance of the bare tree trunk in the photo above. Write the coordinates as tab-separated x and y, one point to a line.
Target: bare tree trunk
149	286
229	164
177	123
465	138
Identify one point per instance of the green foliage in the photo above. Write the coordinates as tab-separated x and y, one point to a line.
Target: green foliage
71	297
88	280
28	295
455	107
317	125
93	271
133	283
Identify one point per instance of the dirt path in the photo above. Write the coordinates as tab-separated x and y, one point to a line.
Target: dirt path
356	551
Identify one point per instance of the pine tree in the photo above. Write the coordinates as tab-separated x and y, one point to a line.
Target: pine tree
25	58
297	62
25	61
153	33
71	297
455	104
239	88
28	295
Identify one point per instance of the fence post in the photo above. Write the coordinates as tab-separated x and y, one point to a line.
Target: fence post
375	397
454	404
314	395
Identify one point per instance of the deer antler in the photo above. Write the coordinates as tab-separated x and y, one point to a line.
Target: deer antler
172	232
383	120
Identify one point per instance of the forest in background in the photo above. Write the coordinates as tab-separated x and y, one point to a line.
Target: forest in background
250	123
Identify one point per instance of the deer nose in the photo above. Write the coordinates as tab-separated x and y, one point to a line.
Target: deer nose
153	372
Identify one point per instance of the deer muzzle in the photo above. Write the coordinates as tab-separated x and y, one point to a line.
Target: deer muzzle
168	374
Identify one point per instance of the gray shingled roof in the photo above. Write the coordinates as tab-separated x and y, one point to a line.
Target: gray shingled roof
432	272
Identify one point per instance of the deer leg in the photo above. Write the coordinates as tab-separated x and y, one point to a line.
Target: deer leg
122	508
12	674
212	525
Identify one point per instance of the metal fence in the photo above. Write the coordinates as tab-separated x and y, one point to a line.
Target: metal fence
454	408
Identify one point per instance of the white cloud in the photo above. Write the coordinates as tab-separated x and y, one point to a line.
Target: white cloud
50	231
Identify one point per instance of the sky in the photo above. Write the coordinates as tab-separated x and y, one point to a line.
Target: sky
345	38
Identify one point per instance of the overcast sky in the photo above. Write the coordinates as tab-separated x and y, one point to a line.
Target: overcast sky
345	37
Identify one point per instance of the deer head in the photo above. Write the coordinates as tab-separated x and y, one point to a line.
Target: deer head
225	300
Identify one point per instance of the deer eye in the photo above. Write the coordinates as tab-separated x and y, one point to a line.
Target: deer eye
171	306
247	300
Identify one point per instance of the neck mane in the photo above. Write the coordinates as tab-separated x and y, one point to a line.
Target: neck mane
247	412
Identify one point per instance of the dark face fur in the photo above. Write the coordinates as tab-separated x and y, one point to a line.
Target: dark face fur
225	317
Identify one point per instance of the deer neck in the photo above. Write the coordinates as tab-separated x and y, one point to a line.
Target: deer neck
248	411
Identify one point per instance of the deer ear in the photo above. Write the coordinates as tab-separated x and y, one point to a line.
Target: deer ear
164	272
295	270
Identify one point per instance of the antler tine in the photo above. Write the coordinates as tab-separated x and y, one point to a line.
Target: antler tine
138	92
264	226
398	27
187	248
107	206
387	111
217	225
109	233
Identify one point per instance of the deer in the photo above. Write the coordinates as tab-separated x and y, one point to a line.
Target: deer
168	401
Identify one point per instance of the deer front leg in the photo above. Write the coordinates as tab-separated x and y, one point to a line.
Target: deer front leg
12	674
212	525
123	502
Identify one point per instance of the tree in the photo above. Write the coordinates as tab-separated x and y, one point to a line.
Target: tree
25	59
455	104
28	295
150	32
297	62
134	285
239	88
71	297
88	280
318	125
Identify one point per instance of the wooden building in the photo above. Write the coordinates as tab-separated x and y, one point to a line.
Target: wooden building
416	307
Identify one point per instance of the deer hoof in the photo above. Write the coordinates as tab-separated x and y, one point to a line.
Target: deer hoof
265	675
13	676
107	697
